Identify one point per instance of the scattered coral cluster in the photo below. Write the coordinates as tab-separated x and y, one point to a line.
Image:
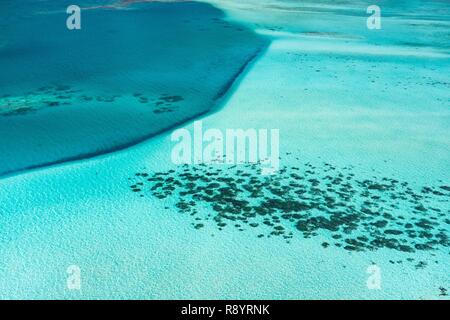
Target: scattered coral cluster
354	214
64	95
43	97
164	103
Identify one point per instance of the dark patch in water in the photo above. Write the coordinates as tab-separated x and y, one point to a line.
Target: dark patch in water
358	215
43	97
56	96
47	97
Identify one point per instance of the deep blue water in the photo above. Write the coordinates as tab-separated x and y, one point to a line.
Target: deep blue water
125	76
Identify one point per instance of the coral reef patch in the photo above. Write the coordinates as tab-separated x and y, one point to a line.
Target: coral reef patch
354	214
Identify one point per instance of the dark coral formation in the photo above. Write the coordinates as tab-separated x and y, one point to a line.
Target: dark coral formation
43	97
356	215
50	96
164	103
64	95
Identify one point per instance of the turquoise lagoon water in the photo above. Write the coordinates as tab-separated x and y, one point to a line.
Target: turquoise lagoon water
364	123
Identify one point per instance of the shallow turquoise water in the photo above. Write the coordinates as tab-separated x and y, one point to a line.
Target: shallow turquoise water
364	120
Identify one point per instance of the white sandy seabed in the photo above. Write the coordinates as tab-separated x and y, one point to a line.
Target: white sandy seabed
327	109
